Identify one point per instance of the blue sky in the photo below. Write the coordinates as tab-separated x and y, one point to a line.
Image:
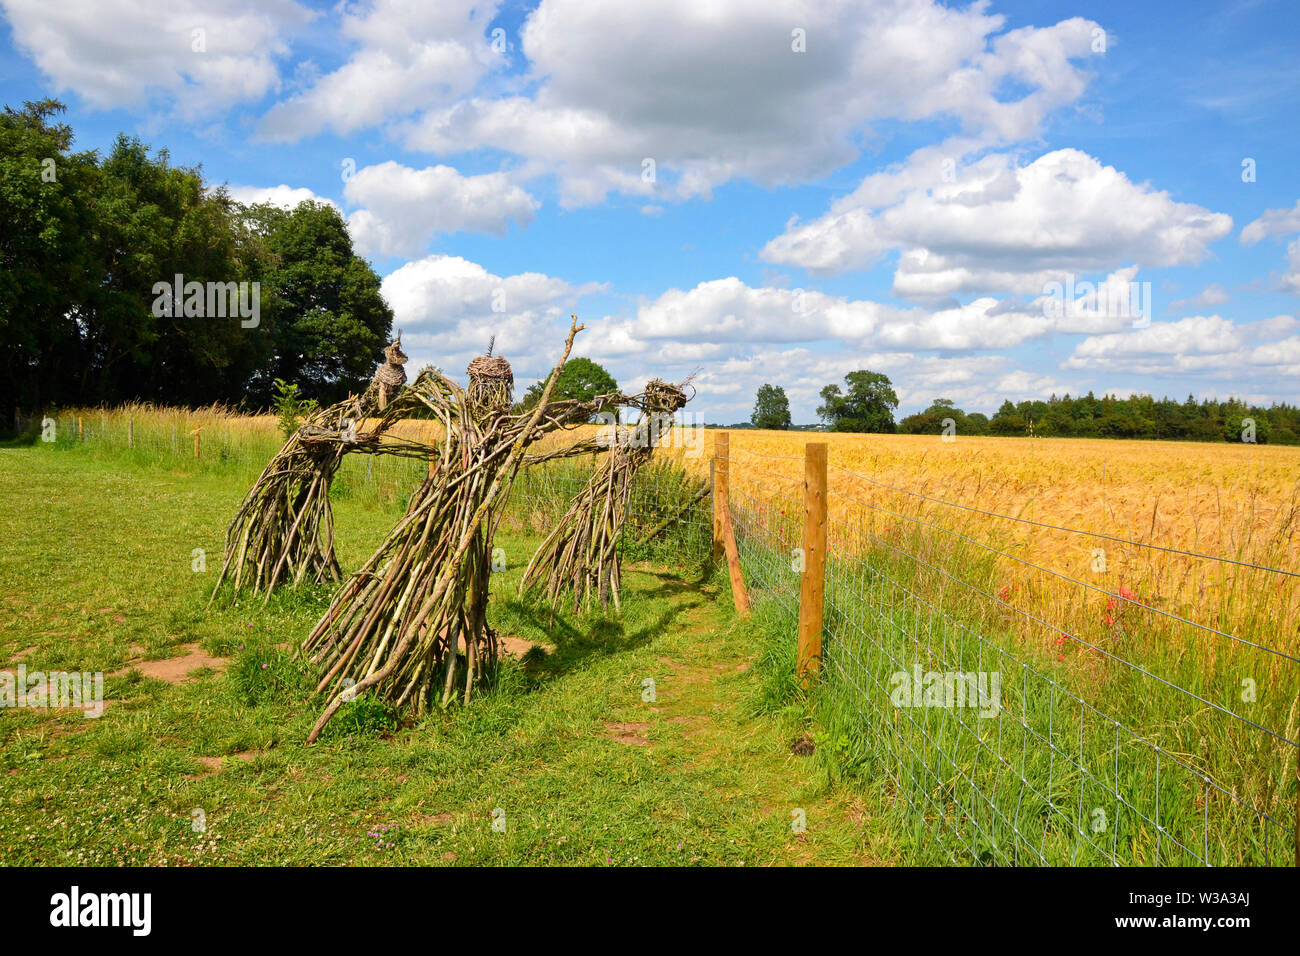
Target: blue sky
897	194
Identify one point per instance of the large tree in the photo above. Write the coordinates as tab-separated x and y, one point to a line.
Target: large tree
321	308
45	265
771	408
85	240
581	379
867	404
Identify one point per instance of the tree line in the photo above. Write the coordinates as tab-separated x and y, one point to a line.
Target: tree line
123	277
868	401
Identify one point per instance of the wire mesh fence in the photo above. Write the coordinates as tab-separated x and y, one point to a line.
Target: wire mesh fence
1019	707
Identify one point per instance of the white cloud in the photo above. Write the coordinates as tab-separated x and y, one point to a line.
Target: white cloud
284	196
404	208
1212	295
448	309
714	92
1211	345
999	227
1279	222
1274	222
115	53
411	54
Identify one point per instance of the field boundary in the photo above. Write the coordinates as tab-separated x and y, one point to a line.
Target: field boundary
997	746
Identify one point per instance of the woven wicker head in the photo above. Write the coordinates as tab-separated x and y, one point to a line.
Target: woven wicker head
491	382
661	396
394	354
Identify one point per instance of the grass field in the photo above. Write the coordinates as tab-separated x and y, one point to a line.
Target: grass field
207	710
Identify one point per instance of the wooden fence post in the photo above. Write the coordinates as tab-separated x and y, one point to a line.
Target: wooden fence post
81	435
196	440
812	586
130	433
724	537
721	489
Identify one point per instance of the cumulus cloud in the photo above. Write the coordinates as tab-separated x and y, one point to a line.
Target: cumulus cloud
1279	222
449	308
410	54
1212	295
197	55
1274	222
404	208
1212	344
719	91
996	226
284	196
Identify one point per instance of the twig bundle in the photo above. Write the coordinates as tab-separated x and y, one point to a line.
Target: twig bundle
579	558
284	529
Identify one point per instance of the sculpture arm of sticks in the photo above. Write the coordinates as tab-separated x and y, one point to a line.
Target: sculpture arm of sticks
284	528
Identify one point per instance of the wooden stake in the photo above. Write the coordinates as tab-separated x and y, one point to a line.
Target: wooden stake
721	490
812	588
196	442
130	433
80	435
738	594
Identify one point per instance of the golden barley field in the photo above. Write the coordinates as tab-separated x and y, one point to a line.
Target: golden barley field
1092	573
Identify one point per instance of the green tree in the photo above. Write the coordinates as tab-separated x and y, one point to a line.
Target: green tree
45	264
580	379
326	321
771	408
867	404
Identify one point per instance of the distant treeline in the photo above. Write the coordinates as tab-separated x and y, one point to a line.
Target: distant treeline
868	401
91	307
1138	416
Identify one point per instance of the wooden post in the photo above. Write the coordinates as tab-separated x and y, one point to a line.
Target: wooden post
724	538
721	489
80	434
196	441
130	433
812	587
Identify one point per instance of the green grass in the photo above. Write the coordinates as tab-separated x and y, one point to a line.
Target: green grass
96	555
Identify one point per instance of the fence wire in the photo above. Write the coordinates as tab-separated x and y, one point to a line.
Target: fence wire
1031	723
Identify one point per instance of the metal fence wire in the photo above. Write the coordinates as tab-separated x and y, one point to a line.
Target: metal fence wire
1013	712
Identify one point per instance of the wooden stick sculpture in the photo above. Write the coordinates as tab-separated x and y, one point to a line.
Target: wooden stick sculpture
579	558
398	626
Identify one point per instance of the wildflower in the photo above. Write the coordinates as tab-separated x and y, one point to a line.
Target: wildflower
1127	594
1005	593
1108	620
1060	640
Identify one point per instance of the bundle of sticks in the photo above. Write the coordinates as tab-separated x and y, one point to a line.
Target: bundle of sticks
579	559
403	621
284	528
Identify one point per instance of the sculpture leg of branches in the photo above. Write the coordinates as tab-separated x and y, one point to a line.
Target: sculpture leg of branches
579	558
284	529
